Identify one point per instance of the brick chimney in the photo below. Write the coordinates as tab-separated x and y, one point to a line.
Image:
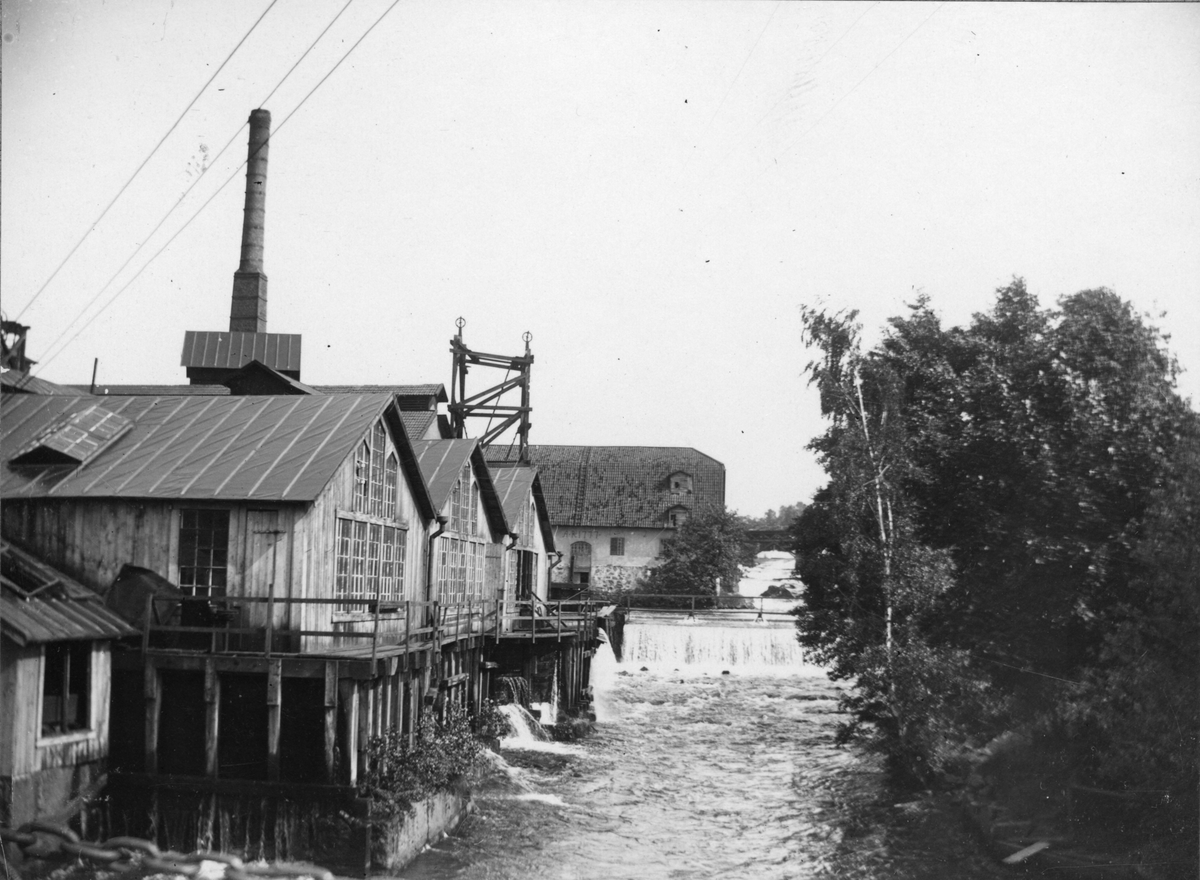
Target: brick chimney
248	312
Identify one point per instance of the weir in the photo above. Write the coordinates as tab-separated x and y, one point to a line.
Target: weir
743	639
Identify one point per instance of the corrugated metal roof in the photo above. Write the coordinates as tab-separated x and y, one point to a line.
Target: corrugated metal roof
40	604
620	486
249	448
513	485
231	350
441	462
22	383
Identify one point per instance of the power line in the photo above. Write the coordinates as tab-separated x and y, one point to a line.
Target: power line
853	88
193	184
125	286
96	222
737	76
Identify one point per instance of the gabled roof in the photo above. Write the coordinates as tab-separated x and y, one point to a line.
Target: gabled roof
441	463
514	484
41	604
257	378
620	486
230	448
14	382
216	349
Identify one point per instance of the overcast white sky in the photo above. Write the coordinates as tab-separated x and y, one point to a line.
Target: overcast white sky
650	188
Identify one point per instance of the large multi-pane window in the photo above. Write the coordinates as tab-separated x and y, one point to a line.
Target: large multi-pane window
370	561
371	544
203	551
461	555
376	476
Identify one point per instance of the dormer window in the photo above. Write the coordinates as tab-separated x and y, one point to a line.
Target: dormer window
677	516
680	483
74	438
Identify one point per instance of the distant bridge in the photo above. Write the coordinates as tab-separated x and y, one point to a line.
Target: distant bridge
769	539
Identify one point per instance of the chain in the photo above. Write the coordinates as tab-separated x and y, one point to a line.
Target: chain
39	840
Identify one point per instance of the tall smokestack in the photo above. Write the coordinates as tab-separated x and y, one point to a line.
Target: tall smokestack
249	309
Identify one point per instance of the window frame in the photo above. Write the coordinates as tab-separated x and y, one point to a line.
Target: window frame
85	649
192	586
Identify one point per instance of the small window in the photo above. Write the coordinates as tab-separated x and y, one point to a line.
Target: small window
66	688
676	517
203	551
616	547
362	476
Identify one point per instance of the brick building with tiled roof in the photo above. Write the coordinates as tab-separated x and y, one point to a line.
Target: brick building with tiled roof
612	506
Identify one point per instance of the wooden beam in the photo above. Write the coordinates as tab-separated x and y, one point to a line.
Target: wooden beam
366	706
274	717
348	690
152	690
212	718
331	704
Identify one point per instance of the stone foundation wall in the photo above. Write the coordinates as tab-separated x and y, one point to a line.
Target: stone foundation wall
431	818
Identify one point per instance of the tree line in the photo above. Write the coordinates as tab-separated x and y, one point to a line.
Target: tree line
1007	541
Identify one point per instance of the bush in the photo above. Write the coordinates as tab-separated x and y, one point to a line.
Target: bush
442	755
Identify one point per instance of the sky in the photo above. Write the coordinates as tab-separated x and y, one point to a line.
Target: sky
651	189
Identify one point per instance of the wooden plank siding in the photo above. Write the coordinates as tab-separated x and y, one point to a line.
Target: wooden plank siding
25	750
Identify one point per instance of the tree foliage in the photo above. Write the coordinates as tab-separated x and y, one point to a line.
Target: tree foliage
1007	494
704	556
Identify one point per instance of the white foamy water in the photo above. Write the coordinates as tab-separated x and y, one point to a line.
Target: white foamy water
712	645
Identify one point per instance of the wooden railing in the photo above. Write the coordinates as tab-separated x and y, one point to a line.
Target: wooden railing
237	624
534	619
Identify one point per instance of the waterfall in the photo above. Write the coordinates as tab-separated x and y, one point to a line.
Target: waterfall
710	640
603	677
526	729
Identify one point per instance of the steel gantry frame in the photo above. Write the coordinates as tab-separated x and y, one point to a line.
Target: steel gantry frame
491	403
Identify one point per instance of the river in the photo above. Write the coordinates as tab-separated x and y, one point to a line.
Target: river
691	773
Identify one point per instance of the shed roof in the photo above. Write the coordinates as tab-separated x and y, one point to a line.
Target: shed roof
230	350
620	486
441	463
159	390
248	448
41	604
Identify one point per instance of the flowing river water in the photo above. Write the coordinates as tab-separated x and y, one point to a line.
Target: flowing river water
692	773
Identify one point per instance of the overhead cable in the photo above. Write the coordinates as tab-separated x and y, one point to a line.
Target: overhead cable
96	222
228	180
192	185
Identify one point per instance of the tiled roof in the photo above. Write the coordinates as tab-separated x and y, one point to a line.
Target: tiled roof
436	391
41	604
248	448
623	486
417	422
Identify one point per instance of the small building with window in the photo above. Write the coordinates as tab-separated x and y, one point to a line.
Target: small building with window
611	507
55	667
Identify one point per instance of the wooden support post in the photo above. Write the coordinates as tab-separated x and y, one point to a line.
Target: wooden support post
348	691
331	702
152	690
366	711
274	713
212	717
